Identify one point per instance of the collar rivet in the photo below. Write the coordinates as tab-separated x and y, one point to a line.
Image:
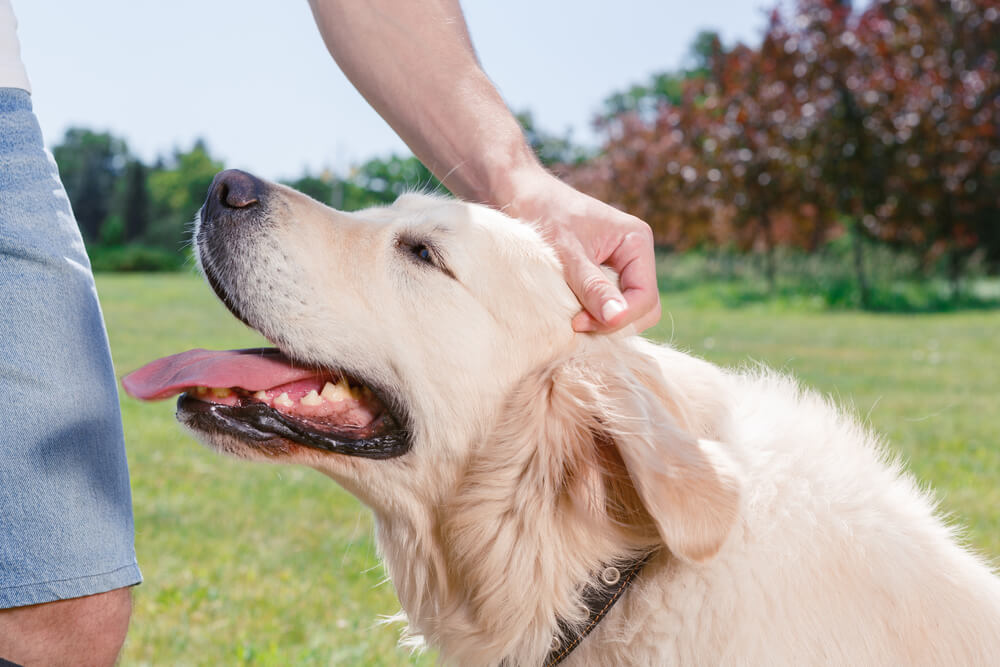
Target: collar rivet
597	600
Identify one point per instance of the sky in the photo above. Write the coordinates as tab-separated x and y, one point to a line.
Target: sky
253	78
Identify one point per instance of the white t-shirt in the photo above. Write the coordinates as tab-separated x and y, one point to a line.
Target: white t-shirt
12	72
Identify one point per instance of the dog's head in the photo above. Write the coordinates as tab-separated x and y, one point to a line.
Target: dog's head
425	361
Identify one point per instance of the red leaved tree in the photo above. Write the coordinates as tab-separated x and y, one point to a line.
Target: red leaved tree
885	118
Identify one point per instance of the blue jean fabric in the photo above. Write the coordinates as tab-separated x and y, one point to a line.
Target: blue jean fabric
65	503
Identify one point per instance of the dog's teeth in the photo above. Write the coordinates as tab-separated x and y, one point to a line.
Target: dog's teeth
336	392
221	392
312	399
261	395
201	391
283	400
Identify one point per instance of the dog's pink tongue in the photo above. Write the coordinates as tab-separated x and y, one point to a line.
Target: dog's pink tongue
255	369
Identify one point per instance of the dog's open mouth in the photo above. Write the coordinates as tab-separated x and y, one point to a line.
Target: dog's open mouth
262	397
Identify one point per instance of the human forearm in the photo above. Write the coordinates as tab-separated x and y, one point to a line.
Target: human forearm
414	63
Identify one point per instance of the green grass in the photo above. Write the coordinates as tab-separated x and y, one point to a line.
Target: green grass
270	565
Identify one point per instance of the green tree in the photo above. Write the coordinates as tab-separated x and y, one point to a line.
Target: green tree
321	188
552	150
376	182
135	201
381	180
177	188
90	164
665	88
705	49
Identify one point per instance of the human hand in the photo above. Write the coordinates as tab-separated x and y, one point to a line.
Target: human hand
587	233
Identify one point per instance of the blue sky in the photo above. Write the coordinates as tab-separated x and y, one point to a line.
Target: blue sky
253	78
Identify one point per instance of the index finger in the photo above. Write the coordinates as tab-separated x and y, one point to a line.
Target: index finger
635	262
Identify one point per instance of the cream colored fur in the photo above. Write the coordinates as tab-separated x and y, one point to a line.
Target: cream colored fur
786	535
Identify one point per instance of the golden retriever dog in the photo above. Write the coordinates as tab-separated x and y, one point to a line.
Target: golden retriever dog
543	495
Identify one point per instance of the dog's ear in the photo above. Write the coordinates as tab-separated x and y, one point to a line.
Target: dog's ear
689	485
591	455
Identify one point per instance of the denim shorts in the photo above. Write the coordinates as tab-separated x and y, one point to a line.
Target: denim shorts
65	503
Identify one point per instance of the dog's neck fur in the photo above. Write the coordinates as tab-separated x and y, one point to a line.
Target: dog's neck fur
494	592
487	576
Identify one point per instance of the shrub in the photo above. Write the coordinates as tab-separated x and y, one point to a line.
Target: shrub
134	258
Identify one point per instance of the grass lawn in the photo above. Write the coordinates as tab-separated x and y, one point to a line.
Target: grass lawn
270	565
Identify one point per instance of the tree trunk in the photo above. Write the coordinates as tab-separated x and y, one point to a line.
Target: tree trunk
771	273
769	268
857	248
955	274
137	205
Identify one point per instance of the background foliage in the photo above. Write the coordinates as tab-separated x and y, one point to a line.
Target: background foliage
880	124
874	128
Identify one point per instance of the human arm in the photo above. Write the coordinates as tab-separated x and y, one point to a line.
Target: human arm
415	64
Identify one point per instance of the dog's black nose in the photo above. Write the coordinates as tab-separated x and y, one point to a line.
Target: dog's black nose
232	189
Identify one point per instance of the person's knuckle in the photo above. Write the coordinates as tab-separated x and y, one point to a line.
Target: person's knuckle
637	232
636	241
594	284
644	231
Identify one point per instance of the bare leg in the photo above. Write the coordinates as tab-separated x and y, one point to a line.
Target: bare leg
83	632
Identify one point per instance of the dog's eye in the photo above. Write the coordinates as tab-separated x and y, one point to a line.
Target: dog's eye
423	253
420	251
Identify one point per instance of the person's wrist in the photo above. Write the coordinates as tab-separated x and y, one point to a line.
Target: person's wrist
511	180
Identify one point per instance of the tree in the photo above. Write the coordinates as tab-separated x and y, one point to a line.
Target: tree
886	118
136	201
944	116
910	99
721	165
177	188
321	188
754	142
90	163
553	151
381	180
665	88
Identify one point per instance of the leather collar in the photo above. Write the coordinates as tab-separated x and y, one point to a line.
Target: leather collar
613	581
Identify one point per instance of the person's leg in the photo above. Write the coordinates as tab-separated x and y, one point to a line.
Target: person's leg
65	505
80	632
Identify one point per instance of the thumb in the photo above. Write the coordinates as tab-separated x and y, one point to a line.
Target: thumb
598	295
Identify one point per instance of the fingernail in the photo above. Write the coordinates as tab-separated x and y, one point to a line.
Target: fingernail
611	308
